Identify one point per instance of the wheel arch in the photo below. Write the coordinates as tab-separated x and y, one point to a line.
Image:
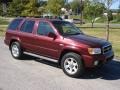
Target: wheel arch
65	51
13	40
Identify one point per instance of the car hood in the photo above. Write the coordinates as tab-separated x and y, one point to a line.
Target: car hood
89	40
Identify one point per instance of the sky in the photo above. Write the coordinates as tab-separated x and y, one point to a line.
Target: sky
114	6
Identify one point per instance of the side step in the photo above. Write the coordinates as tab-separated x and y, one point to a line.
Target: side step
42	57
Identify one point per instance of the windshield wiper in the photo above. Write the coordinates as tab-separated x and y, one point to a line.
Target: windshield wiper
75	33
72	34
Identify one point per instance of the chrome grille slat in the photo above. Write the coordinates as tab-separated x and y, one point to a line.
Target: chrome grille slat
107	48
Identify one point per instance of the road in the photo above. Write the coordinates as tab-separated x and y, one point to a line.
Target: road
33	73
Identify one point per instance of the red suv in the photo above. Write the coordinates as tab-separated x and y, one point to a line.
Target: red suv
57	40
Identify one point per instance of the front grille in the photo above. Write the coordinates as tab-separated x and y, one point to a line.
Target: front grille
107	48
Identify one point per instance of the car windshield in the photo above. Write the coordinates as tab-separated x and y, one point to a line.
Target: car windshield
66	28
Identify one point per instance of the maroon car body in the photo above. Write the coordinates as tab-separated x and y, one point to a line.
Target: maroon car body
56	45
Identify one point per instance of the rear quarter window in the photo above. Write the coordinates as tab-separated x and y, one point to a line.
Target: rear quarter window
14	24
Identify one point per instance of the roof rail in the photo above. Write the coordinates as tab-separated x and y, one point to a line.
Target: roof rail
41	17
31	16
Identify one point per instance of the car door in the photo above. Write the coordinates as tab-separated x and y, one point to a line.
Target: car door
48	46
26	35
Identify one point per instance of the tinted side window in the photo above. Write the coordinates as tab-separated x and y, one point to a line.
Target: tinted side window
44	28
28	26
14	24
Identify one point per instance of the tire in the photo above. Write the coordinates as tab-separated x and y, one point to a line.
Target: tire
16	50
72	65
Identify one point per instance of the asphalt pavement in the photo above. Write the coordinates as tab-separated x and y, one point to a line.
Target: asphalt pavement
33	73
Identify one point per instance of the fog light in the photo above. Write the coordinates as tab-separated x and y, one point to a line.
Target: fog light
96	63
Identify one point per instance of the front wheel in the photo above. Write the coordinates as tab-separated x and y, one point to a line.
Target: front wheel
16	50
72	65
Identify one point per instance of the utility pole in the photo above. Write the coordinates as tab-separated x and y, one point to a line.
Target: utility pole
21	1
81	15
4	8
119	8
66	1
108	22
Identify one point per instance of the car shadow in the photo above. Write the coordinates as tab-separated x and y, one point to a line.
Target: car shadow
27	57
110	71
50	63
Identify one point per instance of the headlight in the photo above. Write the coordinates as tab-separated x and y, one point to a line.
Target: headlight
94	50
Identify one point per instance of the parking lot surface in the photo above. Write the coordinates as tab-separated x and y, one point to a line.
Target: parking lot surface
33	73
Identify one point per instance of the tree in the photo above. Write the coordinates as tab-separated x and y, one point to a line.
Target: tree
3	6
77	6
15	8
118	13
41	10
54	6
1	11
108	4
93	9
30	9
67	6
42	7
82	9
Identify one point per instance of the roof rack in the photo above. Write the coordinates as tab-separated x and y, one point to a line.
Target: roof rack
42	17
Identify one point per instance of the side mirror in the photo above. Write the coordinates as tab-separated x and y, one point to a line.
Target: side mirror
52	35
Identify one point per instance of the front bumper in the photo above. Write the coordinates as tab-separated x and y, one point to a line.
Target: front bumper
91	61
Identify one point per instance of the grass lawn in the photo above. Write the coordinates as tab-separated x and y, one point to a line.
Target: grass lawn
100	32
3	21
2	30
101	20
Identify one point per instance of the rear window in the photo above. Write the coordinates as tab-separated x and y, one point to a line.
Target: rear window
14	24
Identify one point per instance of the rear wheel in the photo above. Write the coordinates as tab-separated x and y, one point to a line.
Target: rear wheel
72	65
16	50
